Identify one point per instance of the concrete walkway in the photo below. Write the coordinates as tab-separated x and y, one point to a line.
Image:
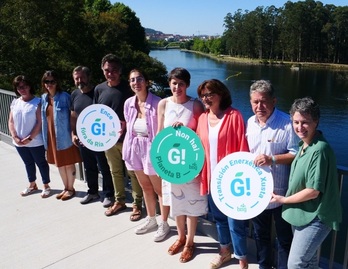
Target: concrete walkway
50	233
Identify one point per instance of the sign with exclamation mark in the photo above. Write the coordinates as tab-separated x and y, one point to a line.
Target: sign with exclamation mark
177	154
240	189
98	127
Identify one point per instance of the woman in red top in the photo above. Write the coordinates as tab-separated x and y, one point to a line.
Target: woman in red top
222	131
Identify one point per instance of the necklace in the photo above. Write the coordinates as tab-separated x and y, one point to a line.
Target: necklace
141	109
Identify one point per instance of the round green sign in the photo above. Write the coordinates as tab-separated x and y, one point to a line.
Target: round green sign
177	154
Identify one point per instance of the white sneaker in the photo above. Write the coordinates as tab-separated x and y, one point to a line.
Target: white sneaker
149	225
162	231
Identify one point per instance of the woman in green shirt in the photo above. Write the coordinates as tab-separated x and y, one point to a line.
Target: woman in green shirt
312	202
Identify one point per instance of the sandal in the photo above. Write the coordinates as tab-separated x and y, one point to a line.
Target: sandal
68	195
116	208
175	248
136	214
46	192
220	259
29	190
60	195
187	253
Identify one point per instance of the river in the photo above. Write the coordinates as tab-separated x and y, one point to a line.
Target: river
324	86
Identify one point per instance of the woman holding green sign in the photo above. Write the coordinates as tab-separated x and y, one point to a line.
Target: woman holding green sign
186	204
222	132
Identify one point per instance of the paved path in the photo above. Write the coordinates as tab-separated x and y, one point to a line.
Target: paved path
49	233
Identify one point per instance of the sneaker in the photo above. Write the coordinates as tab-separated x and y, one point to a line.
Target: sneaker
149	225
107	202
220	259
89	198
162	231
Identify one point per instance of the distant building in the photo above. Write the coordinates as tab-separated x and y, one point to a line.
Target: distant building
153	35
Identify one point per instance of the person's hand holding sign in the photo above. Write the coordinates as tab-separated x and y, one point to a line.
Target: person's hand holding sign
277	199
177	124
263	159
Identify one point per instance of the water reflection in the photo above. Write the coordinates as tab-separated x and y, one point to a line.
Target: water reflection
323	85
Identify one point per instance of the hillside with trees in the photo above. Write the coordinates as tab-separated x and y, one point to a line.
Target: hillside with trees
303	31
39	35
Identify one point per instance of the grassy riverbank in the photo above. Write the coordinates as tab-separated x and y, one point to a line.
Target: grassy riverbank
294	65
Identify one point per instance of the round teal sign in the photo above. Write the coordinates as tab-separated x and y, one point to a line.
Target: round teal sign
177	154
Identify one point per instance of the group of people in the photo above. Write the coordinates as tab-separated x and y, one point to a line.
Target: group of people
305	203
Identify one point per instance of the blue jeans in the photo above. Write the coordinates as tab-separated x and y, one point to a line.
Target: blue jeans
305	244
94	162
262	235
227	229
32	156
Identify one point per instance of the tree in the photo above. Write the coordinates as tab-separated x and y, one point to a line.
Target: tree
298	31
134	30
341	45
41	35
97	6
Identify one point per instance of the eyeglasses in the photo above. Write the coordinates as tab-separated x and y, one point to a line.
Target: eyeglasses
50	81
207	95
19	88
137	80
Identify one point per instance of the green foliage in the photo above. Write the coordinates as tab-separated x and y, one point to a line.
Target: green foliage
298	31
135	33
305	31
158	44
212	45
97	6
188	44
41	35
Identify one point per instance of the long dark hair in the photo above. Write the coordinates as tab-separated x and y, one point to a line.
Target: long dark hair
51	73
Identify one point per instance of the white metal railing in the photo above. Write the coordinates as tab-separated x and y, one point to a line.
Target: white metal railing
6	98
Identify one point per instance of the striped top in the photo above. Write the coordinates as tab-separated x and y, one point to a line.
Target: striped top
275	137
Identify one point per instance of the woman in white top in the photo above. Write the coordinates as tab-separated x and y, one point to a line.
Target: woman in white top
186	203
25	127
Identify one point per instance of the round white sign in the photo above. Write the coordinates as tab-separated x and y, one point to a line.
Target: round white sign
98	127
240	189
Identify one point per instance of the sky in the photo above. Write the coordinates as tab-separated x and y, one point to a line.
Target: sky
196	17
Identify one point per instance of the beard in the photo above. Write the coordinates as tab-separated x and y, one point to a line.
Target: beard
81	85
